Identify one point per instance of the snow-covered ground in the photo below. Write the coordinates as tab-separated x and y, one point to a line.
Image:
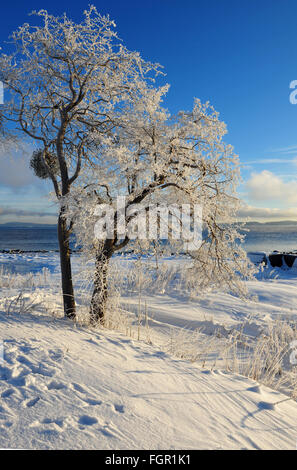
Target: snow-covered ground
64	386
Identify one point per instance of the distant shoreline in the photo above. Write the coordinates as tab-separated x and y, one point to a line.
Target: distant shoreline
20	252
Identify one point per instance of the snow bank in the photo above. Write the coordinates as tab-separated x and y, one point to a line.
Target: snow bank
63	387
66	387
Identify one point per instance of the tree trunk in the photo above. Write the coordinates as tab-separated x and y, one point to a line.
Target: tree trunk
65	262
100	292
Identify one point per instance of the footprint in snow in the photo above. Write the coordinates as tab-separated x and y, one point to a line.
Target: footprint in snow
78	388
56	355
86	420
31	403
56	385
7	393
5	373
119	408
40	369
92	402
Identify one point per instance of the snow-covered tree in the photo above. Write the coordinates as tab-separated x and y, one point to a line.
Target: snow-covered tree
151	158
64	82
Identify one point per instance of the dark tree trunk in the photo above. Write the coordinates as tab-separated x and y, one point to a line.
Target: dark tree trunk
100	292
63	232
67	284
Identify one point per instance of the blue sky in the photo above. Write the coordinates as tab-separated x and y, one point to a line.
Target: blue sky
239	55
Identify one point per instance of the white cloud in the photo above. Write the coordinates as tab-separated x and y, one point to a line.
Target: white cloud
14	167
266	186
267	214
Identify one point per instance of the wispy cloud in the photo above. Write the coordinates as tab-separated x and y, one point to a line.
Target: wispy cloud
263	161
291	149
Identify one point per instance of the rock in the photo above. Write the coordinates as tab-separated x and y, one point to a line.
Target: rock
276	260
289	260
280	260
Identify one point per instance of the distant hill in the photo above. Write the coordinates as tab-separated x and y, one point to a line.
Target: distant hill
26	225
279	222
285	226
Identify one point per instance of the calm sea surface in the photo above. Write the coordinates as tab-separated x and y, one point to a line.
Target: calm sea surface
29	238
261	237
